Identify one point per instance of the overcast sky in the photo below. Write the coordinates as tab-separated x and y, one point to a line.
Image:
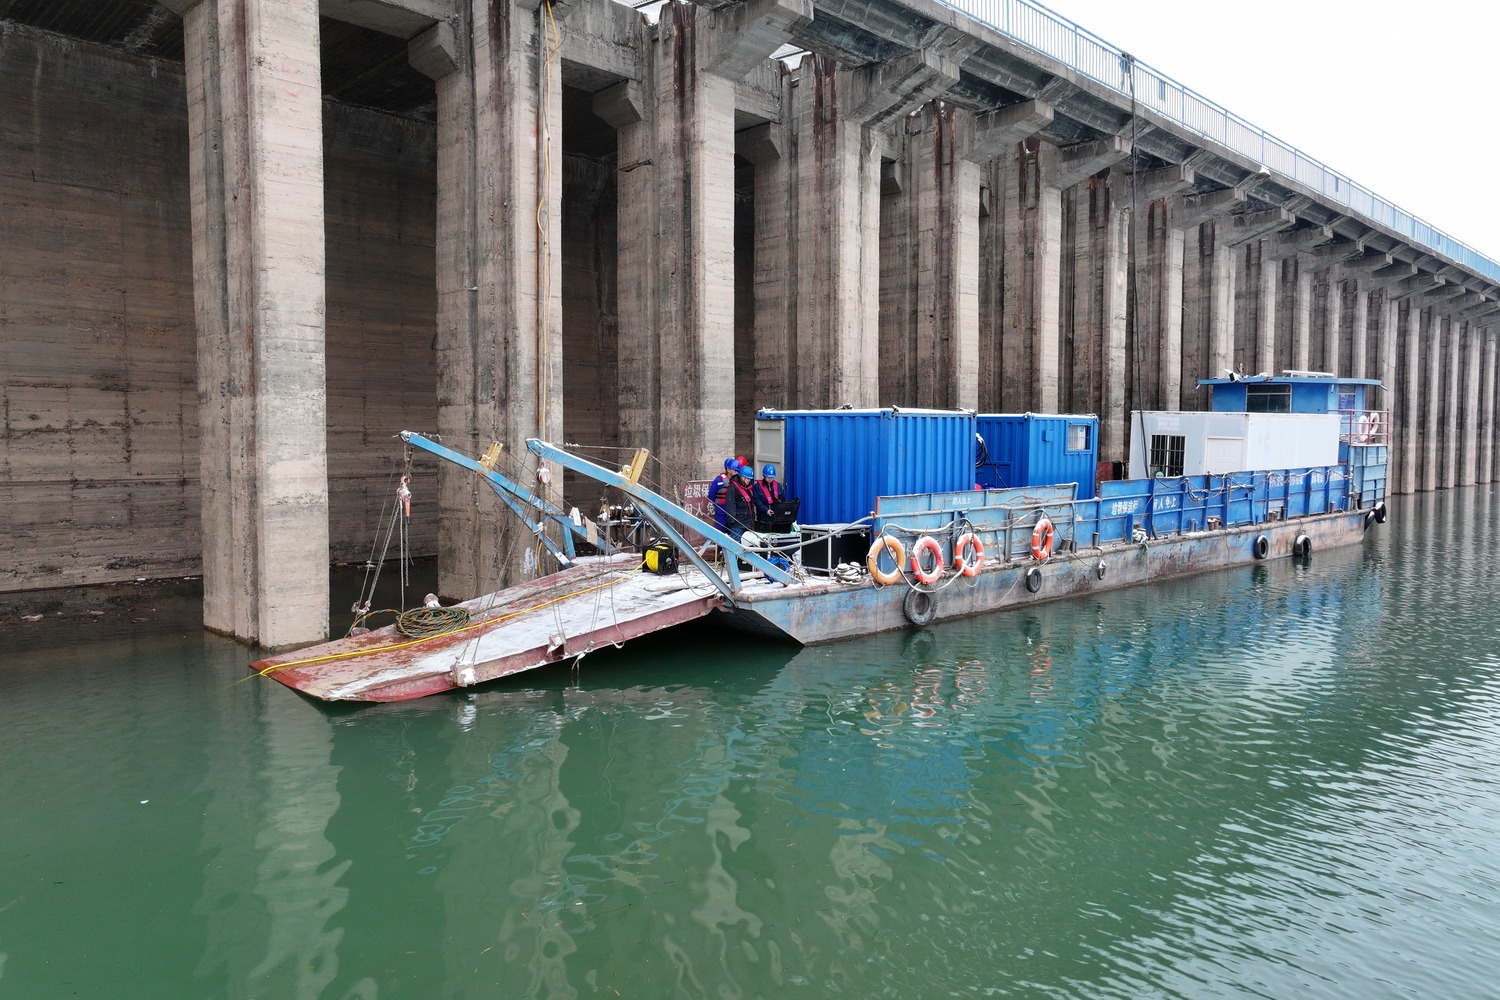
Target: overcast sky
1398	97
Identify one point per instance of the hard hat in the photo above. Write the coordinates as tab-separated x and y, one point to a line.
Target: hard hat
741	460
731	464
769	472
747	472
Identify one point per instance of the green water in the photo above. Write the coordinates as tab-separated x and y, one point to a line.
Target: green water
1279	781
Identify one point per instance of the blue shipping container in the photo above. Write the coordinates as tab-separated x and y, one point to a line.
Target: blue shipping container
838	461
1038	449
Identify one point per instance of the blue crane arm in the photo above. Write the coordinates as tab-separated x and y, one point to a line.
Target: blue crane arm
668	518
530	508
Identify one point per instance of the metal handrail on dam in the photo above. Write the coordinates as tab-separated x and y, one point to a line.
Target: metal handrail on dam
1053	35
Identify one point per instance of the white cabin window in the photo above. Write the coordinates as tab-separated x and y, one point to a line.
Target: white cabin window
1167	451
1078	437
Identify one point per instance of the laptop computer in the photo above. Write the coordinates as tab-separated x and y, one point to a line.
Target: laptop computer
781	516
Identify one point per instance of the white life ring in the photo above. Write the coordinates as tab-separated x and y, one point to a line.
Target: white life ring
962	564
1041	540
927	576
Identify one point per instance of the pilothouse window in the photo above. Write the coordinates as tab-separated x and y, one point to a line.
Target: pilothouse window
1268	399
1167	452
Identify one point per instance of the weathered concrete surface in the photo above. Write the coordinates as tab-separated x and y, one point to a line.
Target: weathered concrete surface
99	449
259	293
100	445
692	233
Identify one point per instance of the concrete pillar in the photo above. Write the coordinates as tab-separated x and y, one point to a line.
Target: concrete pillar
256	172
1405	290
676	146
1155	334
1327	321
1432	393
1101	272
931	349
1255	260
1006	332
839	117
765	146
929	212
499	313
1252	287
1033	206
1387	316
1487	407
1407	431
1357	321
1208	301
1452	335
1302	333
1033	258
1294	282
1468	466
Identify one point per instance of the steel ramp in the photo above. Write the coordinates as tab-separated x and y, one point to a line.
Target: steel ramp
566	615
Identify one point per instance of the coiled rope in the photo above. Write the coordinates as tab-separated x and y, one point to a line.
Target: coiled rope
424	623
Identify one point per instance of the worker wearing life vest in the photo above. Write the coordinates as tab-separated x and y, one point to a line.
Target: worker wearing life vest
740	507
717	494
766	492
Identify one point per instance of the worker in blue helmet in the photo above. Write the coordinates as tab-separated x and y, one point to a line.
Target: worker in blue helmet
766	492
740	505
716	494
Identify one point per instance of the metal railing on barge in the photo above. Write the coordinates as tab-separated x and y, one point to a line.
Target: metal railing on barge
1132	510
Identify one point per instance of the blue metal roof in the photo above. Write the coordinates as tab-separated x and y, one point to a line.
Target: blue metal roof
1289	378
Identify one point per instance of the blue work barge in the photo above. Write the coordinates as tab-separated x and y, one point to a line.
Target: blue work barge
906	517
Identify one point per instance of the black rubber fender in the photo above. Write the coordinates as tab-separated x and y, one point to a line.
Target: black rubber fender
1262	546
1100	569
1034	579
920	607
1381	513
1369	519
1302	546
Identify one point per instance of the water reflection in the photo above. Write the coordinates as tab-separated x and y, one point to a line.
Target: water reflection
1276	781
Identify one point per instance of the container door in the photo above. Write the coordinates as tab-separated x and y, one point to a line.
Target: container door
770	445
1223	454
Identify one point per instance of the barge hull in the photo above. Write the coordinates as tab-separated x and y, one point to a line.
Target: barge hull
556	618
834	612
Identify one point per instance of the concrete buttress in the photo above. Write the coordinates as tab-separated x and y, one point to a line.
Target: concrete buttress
676	230
1486	469
256	167
499	322
1155	339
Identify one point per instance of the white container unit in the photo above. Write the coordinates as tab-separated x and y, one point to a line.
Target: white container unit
1177	443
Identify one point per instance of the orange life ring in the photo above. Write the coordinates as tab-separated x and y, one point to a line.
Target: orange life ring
968	567
872	561
1041	540
928	576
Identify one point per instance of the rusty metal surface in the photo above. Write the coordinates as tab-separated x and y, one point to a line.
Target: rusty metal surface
570	613
836	611
556	618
